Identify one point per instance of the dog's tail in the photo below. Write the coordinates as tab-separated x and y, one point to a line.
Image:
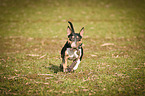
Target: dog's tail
71	25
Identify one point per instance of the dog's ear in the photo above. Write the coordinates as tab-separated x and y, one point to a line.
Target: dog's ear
82	31
68	30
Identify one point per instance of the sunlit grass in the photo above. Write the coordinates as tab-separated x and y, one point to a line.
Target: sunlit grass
32	34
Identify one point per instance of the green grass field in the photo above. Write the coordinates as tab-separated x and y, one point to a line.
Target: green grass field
32	33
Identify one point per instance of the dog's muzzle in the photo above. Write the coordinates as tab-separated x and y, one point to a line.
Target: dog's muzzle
73	45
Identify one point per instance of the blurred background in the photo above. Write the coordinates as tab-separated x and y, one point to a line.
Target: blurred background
48	18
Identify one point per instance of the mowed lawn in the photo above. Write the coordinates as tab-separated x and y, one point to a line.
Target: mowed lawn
32	33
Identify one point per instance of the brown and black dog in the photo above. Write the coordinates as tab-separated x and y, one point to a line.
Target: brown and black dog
72	49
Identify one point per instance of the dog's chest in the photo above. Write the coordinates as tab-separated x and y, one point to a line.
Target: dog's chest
73	54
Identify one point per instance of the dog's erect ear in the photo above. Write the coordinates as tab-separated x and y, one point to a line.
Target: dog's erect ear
82	31
68	30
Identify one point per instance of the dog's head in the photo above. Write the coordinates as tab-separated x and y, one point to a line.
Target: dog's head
74	39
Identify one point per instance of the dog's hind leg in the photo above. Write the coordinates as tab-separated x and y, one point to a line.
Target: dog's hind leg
61	65
64	64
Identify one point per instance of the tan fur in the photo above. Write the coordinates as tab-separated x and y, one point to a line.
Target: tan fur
65	64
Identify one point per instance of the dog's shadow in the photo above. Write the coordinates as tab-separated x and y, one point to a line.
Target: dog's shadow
55	68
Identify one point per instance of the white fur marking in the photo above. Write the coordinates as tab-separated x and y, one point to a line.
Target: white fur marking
72	54
73	44
76	66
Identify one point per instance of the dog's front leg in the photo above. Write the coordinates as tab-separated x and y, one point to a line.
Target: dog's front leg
74	65
77	64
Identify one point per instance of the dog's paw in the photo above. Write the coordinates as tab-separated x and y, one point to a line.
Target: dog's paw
65	70
70	69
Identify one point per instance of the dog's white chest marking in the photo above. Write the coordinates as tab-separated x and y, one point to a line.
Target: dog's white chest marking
73	54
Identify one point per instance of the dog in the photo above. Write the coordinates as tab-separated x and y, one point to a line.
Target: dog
72	49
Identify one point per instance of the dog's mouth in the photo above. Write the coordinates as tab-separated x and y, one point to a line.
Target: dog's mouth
76	48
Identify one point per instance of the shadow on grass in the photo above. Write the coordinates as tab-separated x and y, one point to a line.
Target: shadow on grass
55	68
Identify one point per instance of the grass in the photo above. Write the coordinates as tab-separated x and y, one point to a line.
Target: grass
32	34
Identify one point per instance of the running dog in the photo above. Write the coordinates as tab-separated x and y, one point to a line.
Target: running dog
72	49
